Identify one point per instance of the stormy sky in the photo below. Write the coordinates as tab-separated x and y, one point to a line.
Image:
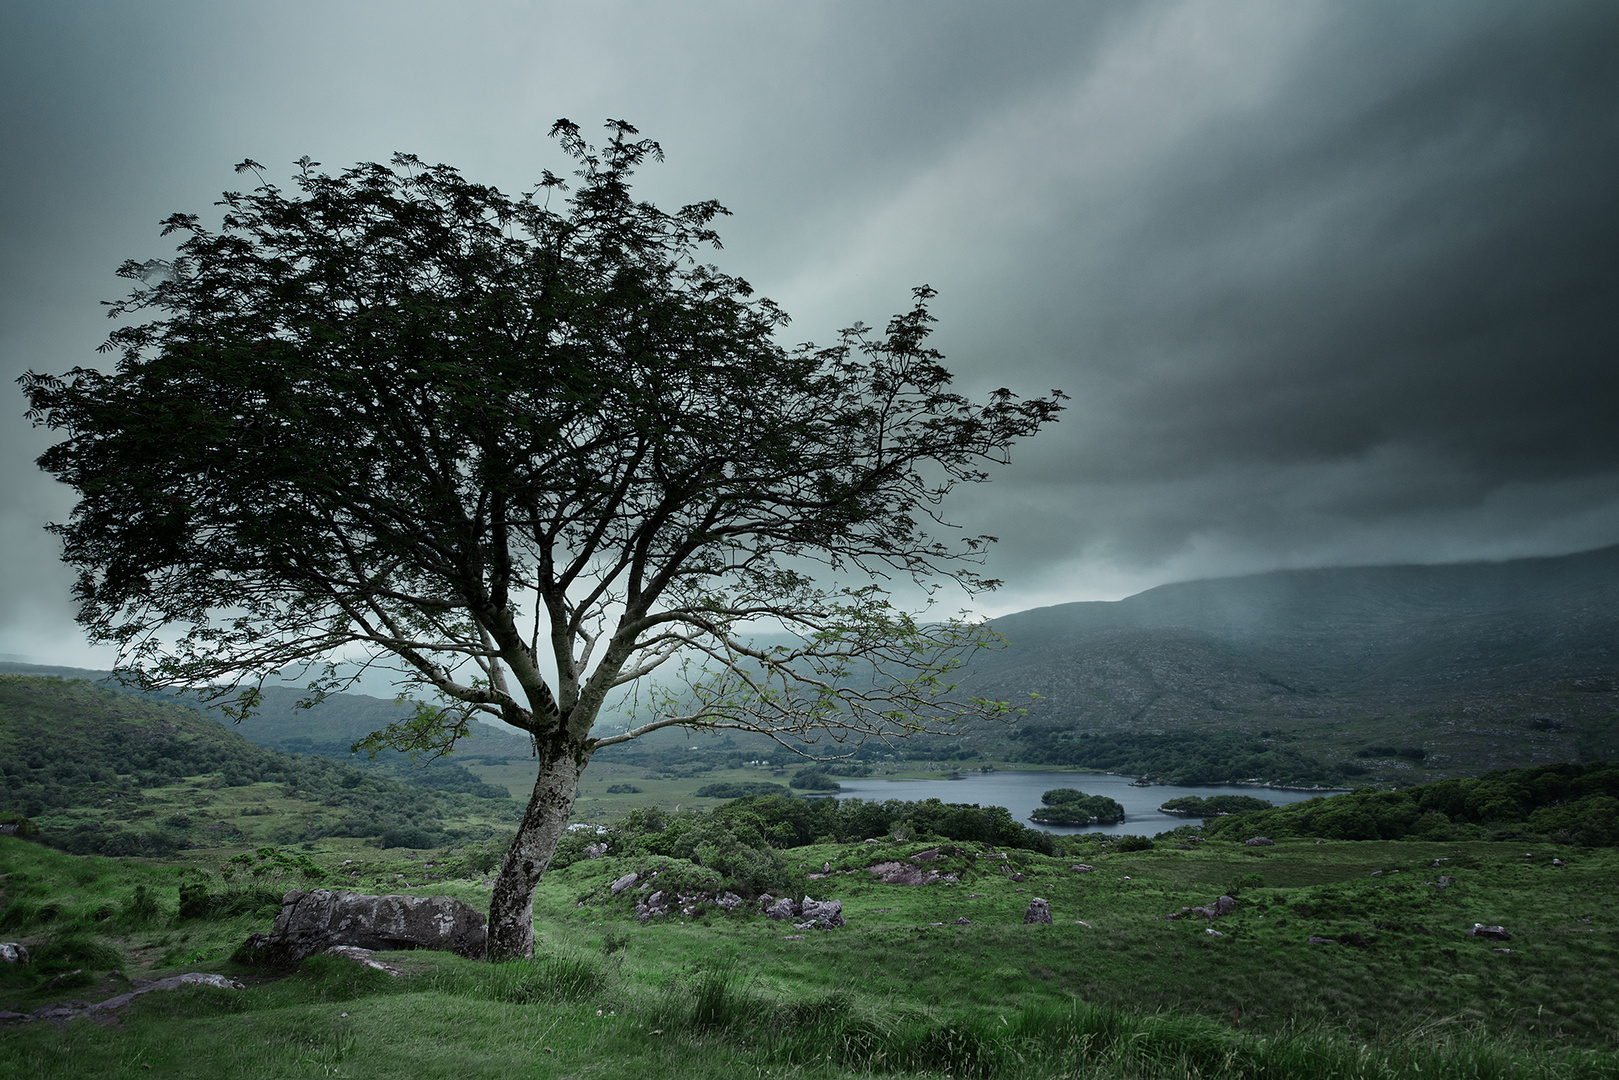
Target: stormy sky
1327	283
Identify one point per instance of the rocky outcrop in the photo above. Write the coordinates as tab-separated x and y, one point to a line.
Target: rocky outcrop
898	873
806	914
314	921
663	902
1260	841
820	914
913	871
1225	905
1038	912
364	957
12	953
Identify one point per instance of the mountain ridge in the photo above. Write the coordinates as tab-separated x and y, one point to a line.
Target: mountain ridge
1478	665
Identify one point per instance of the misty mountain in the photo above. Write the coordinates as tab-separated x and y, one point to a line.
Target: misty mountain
1459	667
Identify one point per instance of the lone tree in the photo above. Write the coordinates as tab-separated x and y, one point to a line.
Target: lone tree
526	451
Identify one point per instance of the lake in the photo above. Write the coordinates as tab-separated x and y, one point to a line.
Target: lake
1020	793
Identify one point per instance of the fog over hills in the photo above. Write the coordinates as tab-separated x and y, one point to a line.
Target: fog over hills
1338	676
1477	665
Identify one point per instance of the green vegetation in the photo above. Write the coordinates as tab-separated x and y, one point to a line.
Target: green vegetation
814	778
1214	805
1066	806
1571	804
738	789
903	991
102	772
1178	757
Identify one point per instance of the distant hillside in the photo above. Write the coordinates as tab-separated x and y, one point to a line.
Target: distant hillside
331	727
1385	673
116	774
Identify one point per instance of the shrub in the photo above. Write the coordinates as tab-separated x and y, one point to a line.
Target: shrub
25	829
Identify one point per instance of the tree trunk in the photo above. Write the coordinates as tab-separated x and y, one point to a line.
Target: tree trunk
511	907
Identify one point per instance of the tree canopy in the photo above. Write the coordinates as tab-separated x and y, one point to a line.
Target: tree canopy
528	450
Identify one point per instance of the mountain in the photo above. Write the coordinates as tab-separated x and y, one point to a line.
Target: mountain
1392	673
330	728
104	772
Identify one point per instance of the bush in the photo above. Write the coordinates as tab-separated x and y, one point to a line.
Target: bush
814	778
24	829
739	790
141	909
1133	843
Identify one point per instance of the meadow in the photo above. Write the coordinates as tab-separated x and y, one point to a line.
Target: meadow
934	980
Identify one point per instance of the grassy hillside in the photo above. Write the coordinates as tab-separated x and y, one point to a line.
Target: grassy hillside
115	774
933	980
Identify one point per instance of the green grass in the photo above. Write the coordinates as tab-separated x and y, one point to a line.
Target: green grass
1129	995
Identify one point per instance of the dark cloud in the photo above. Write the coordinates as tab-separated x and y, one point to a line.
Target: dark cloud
1328	283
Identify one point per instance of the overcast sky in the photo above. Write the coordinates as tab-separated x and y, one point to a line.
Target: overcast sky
1328	283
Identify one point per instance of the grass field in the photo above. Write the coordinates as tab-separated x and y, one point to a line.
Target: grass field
1109	989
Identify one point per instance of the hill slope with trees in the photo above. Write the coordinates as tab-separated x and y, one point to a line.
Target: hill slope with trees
1338	676
110	773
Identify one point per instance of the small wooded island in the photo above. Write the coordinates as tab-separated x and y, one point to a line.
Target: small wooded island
1213	806
1067	806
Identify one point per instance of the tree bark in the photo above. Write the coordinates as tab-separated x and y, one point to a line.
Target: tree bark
511	907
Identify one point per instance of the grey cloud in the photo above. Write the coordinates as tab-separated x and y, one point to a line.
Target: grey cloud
1327	282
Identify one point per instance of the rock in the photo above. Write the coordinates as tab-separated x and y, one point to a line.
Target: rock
1038	912
659	903
8	829
1493	933
1212	932
898	873
1559	862
363	956
626	882
314	921
964	921
12	953
1017	877
931	855
826	914
190	978
826	868
1260	841
729	901
781	910
1320	941
595	851
1225	905
1081	868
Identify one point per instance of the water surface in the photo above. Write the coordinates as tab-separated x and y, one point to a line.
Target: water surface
1020	792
